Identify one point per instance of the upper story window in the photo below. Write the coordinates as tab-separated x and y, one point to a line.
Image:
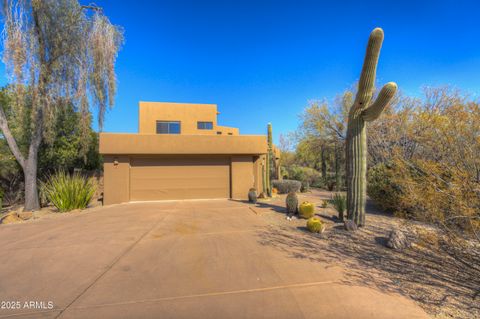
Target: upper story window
168	127
205	125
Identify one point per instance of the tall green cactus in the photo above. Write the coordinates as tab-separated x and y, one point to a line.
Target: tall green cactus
269	159
363	111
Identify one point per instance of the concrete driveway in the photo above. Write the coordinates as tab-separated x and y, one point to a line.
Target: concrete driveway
185	259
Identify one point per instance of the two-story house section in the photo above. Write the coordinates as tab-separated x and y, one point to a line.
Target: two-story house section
180	152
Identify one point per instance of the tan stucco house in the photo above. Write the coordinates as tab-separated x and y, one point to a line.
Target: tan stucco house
180	152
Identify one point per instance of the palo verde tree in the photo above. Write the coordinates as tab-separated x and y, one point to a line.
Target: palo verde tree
56	52
363	111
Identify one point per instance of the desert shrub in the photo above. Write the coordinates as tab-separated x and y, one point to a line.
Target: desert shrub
339	202
318	182
315	225
305	186
67	192
291	203
306	210
330	183
383	188
286	186
324	204
252	195
306	175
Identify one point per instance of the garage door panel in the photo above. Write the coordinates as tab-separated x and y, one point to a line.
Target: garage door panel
179	178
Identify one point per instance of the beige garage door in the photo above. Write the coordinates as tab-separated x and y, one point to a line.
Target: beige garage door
159	178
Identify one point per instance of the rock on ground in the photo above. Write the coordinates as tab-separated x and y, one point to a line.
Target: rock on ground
350	225
398	240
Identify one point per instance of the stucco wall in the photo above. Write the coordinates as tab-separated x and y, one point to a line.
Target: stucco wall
116	179
128	144
187	113
242	176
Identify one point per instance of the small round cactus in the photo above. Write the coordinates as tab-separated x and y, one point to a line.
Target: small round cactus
315	225
291	203
306	210
252	195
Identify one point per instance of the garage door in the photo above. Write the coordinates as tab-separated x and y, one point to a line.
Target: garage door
160	178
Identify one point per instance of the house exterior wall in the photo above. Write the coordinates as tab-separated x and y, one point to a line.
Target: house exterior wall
245	172
119	143
242	176
116	179
179	157
186	113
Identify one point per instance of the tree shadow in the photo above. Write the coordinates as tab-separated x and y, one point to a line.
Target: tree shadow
437	278
272	207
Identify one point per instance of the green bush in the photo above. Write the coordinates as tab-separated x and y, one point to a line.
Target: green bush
286	186
306	175
292	203
306	210
382	187
67	192
315	225
339	202
305	186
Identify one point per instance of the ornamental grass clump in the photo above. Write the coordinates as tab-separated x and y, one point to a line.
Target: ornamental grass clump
306	210
339	202
68	192
315	225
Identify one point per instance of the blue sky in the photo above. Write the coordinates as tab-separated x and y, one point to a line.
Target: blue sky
261	61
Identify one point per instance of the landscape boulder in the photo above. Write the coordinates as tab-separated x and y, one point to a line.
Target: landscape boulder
350	225
397	240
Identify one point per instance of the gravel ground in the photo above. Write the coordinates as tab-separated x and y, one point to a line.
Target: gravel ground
442	280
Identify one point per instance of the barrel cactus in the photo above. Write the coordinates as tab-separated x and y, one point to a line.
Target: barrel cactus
315	225
252	195
306	210
292	203
363	111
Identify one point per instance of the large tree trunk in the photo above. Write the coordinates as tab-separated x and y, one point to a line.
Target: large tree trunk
29	164
30	170
31	189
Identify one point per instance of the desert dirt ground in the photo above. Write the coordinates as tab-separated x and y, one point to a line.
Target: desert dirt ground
436	277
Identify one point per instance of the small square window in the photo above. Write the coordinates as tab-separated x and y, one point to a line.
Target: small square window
219	133
205	125
168	127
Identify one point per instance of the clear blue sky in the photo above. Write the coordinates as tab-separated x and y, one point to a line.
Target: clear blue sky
261	61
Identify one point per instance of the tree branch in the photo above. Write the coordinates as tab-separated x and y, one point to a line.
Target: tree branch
12	144
372	112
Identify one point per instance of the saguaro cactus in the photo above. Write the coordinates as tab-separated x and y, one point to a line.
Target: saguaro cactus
269	159
360	113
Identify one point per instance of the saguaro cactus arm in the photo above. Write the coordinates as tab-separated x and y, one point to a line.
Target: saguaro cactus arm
372	112
369	69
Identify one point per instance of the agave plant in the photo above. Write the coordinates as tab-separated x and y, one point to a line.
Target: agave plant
67	192
339	202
